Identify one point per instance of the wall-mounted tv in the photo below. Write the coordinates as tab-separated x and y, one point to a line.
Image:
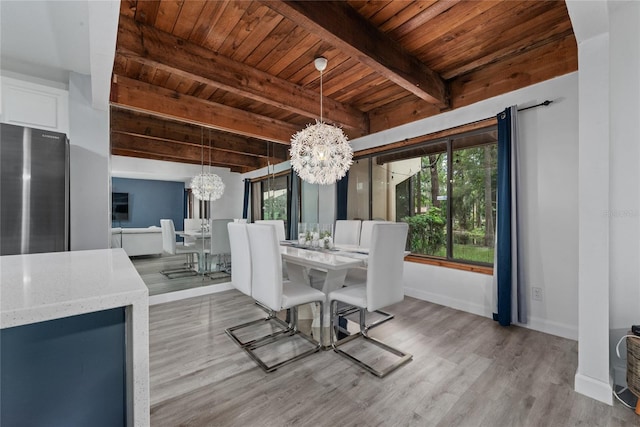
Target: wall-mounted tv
120	206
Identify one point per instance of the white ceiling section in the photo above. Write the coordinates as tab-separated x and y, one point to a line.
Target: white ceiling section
50	38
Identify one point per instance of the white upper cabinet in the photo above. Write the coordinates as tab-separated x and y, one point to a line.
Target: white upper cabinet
34	105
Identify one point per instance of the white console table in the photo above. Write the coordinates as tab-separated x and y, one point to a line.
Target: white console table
39	288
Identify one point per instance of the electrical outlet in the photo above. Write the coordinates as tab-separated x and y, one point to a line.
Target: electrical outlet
537	294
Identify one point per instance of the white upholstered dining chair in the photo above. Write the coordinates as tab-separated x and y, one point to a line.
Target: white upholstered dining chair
241	280
220	246
170	247
278	224
280	232
347	232
365	232
383	287
268	288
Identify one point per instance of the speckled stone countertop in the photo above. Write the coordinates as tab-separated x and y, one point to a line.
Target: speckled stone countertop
39	287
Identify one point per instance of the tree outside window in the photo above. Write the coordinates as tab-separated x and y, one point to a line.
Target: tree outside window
445	190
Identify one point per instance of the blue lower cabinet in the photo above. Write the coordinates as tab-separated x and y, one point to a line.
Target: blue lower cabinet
65	372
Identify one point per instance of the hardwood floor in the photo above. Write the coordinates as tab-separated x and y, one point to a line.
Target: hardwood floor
466	371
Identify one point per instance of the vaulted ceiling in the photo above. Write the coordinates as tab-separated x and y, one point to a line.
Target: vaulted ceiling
238	76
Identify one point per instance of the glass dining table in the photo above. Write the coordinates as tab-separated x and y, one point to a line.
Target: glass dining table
334	263
200	241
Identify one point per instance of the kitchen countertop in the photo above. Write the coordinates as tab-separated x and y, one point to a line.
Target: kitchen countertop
40	287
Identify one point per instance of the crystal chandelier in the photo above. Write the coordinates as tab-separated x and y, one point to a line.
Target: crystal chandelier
320	153
206	186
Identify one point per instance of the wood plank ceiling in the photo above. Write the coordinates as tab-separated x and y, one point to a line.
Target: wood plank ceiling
238	76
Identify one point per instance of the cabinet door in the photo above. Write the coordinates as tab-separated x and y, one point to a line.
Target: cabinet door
34	105
65	372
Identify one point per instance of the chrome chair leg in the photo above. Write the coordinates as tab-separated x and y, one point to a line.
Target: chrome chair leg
403	357
250	349
272	317
351	309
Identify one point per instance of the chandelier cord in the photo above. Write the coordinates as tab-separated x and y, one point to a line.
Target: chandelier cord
320	95
202	150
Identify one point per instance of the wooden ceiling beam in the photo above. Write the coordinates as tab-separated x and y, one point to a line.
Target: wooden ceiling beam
182	151
339	24
157	49
137	95
155	156
129	122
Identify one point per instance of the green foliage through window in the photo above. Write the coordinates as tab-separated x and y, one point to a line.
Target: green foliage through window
426	232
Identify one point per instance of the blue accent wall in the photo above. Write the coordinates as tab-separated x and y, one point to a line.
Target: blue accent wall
65	372
150	201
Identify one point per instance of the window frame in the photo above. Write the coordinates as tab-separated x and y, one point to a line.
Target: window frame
259	207
446	136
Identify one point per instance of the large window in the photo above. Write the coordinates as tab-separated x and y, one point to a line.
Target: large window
444	189
270	196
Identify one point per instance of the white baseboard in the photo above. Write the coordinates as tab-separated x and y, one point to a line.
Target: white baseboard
552	328
462	305
189	293
594	389
541	325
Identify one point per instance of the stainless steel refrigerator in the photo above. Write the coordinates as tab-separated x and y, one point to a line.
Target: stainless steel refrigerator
34	191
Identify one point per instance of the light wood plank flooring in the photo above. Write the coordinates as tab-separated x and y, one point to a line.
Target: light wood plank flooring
466	371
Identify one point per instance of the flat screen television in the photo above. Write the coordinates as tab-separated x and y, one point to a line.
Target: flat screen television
119	206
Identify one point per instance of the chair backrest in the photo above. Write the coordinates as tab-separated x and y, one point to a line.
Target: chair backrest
266	265
240	257
278	223
347	232
168	236
365	232
220	236
386	264
241	220
192	224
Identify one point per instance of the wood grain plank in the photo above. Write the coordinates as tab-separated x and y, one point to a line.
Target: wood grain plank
168	13
141	96
392	11
250	20
548	61
257	35
195	64
467	370
233	12
402	111
263	50
181	150
187	17
361	39
545	28
129	122
146	11
440	24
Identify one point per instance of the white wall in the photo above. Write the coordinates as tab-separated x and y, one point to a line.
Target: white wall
608	37
89	154
549	152
228	206
624	193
